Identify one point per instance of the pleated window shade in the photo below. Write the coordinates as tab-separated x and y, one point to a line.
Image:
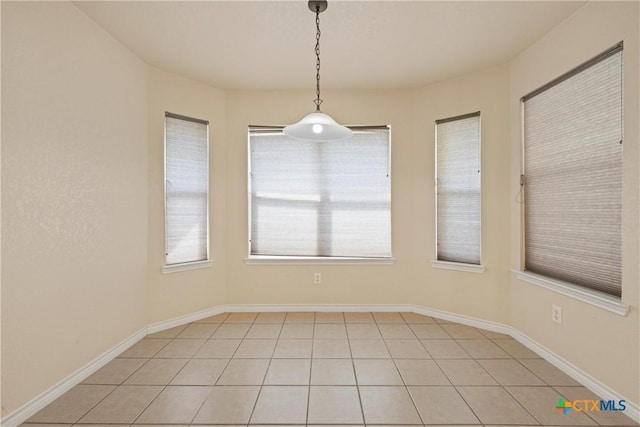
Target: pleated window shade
573	177
320	199
186	189
458	189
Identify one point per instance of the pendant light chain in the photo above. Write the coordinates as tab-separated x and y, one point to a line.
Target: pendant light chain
318	101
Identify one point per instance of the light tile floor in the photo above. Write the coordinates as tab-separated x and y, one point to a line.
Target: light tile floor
315	369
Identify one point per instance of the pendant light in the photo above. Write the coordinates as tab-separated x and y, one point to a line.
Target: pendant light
317	126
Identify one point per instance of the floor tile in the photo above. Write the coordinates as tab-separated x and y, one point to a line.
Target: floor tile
281	405
322	317
445	349
363	331
465	372
358	318
334	405
175	405
122	406
156	372
388	405
493	335
383	317
377	372
369	349
293	349
606	418
44	425
232	330
393	331
442	405
300	318
241	318
515	349
288	372
218	349
270	318
541	401
180	348
332	372
429	331
244	372
407	349
482	349
297	330
255	349
115	372
229	404
414	318
421	372
72	405
329	331
462	331
168	333
509	372
200	372
264	330
549	373
199	330
331	349
145	348
218	318
493	405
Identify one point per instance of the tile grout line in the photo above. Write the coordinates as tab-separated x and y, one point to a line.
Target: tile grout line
355	375
313	334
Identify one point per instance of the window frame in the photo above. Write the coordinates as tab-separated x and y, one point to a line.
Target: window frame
582	293
315	260
446	264
196	264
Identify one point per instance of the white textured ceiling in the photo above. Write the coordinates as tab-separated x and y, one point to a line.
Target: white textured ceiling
365	44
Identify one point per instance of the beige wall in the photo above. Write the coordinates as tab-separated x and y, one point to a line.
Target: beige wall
179	293
603	344
74	195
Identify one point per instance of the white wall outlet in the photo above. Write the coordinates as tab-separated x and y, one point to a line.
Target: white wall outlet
556	314
317	278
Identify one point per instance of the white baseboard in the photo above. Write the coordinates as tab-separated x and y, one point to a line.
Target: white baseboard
30	408
183	320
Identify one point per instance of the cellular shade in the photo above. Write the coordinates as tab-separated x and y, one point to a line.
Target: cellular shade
320	198
186	189
458	189
573	172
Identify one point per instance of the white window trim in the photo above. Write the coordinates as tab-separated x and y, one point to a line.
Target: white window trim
590	296
174	268
285	260
458	266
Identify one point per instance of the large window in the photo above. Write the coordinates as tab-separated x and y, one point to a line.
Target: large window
320	199
573	176
458	189
186	189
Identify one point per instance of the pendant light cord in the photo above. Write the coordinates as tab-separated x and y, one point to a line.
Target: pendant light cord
318	101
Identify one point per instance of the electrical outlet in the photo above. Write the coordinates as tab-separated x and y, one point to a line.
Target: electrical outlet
556	314
317	278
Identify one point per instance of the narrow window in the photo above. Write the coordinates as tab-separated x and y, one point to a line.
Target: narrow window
320	199
573	176
458	189
186	189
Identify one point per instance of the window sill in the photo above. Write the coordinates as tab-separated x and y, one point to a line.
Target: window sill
284	260
174	268
598	299
458	266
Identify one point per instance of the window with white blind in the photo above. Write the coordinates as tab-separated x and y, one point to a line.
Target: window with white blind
458	189
186	189
320	199
573	176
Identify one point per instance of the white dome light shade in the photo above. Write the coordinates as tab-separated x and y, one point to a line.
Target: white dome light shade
317	127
